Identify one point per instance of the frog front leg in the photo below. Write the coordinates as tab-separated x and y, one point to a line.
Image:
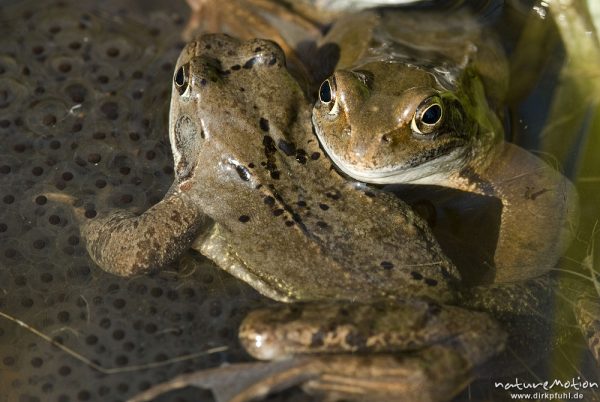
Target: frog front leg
126	244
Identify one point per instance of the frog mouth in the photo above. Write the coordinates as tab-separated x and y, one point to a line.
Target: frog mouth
435	168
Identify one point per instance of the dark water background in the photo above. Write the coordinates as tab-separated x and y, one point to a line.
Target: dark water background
84	92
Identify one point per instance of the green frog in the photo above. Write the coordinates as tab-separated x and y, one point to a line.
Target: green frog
408	103
254	193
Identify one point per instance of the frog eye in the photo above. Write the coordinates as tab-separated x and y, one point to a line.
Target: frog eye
428	117
181	79
327	95
327	91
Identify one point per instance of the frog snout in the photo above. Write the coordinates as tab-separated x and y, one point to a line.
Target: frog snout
383	148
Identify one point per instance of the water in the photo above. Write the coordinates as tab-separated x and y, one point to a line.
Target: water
84	93
83	109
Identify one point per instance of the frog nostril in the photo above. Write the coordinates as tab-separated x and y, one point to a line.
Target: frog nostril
264	52
386	138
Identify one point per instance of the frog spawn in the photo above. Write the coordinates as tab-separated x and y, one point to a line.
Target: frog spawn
83	116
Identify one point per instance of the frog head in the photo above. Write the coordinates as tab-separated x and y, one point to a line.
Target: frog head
389	121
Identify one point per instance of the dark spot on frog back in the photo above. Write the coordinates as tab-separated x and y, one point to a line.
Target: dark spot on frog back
416	275
270	149
445	273
419	277
334	194
355	340
386	265
263	124
301	156
288	148
269	145
431	282
317	339
250	63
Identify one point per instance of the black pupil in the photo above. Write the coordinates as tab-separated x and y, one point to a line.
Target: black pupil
432	115
325	92
180	77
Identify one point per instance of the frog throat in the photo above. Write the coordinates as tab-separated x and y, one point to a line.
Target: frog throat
436	171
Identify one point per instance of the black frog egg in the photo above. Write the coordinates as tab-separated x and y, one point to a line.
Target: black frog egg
50	116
